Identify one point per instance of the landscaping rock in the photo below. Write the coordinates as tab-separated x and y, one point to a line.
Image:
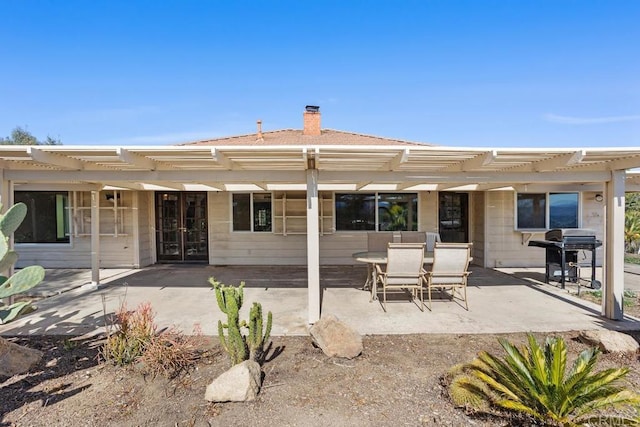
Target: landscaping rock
239	384
15	359
335	338
610	341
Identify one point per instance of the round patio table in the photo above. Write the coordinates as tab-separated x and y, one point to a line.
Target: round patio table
374	258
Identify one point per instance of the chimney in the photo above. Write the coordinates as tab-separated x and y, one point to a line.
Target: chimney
311	120
259	123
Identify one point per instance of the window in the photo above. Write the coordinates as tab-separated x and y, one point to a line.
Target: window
395	211
547	210
248	206
47	220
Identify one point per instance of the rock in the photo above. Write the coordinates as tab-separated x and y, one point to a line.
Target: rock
335	338
16	359
239	384
610	341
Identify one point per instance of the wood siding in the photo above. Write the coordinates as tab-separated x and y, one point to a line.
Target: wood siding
477	226
114	251
506	247
146	228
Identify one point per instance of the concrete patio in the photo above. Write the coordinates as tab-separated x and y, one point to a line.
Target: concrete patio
510	300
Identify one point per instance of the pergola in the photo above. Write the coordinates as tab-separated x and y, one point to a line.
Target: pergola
333	167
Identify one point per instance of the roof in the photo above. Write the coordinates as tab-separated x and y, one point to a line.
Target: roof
296	137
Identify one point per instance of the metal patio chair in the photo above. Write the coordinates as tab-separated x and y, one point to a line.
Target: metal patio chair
404	271
450	270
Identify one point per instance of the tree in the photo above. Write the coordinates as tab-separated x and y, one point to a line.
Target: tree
21	136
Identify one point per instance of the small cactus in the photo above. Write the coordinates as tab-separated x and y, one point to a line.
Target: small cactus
24	279
238	346
256	338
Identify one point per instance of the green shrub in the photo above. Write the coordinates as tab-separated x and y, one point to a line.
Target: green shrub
629	297
534	381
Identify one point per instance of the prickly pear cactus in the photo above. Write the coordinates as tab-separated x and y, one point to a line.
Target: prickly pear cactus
25	278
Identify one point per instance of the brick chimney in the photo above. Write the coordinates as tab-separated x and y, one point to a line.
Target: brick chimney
311	117
259	133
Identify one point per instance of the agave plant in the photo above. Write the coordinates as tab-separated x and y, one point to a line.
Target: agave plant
534	381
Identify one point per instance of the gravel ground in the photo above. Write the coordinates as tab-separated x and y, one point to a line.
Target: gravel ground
395	382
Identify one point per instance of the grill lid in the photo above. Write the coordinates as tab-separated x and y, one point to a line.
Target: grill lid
559	234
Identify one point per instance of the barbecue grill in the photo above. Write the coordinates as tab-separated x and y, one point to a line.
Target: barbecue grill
562	246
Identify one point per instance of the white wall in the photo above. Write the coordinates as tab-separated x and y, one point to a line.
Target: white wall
146	227
506	247
114	251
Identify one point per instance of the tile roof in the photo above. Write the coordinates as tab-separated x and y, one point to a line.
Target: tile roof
295	137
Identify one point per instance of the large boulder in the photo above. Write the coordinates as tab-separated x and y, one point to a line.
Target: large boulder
610	341
335	338
239	384
16	359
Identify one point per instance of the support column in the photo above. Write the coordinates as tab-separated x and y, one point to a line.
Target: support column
614	247
135	227
95	238
313	246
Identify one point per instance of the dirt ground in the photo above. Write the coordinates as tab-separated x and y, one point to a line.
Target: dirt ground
395	382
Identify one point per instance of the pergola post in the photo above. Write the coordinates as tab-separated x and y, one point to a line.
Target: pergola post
95	238
313	246
614	247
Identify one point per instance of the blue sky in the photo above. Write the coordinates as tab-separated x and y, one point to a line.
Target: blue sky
555	73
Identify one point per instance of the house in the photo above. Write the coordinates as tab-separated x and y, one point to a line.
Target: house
309	197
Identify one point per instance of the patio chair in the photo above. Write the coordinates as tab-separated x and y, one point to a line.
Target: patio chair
450	270
412	236
432	239
404	271
378	241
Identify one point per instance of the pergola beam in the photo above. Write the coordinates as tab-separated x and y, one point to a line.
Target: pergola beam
52	159
221	158
473	163
398	159
137	160
164	175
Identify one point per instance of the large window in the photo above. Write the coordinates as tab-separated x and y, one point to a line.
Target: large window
252	212
395	211
47	219
547	210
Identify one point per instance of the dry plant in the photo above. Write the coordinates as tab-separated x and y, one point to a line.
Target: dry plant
170	352
129	334
132	336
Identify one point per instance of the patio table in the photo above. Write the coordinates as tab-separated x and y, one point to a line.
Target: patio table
374	258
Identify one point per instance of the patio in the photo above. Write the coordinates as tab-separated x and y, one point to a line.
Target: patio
499	301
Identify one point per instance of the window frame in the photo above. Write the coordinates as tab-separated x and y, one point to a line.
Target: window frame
68	215
376	195
547	210
251	211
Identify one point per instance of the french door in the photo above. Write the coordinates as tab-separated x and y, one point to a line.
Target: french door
181	227
453	213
